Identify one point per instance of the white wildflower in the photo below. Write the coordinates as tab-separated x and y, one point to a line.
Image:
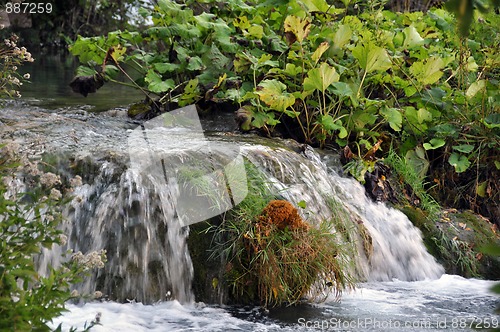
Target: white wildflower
76	181
63	239
26	76
97	294
55	194
75	293
50	179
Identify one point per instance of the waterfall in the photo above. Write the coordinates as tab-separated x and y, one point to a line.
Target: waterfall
396	249
135	222
143	223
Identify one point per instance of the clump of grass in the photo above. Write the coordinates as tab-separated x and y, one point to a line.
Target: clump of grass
416	183
273	256
459	253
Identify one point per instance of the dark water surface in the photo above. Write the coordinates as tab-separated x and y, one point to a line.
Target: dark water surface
49	87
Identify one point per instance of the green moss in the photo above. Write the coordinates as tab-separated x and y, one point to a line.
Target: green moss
457	240
206	267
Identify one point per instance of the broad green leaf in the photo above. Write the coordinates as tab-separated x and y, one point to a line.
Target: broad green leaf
343	89
362	118
428	71
416	159
316	5
273	93
434	143
163	68
298	27
342	36
475	87
195	63
424	115
156	84
85	71
412	38
319	51
492	121
255	31
260	119
393	116
464	148
215	58
331	125
459	162
371	57
497	164
320	78
292	70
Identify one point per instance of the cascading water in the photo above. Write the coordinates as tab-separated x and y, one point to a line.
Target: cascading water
134	217
397	249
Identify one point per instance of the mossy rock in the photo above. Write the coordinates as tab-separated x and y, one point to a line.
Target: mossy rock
457	240
138	109
208	282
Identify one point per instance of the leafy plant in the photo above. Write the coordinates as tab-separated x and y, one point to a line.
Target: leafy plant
325	76
30	300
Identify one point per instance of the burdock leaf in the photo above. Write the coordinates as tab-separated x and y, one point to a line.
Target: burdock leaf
371	57
321	78
459	162
412	38
273	93
428	71
157	84
296	29
393	116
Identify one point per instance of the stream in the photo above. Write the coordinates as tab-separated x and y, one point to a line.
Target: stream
121	209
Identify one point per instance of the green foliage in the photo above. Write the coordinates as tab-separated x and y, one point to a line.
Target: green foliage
29	222
325	77
410	172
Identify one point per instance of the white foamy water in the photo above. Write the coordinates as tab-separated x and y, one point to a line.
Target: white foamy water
449	303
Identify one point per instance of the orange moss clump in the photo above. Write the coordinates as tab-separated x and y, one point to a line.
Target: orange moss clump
283	214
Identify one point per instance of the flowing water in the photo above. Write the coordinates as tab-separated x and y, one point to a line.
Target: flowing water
141	223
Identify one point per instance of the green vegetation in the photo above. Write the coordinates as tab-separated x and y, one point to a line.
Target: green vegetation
273	257
29	223
328	77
